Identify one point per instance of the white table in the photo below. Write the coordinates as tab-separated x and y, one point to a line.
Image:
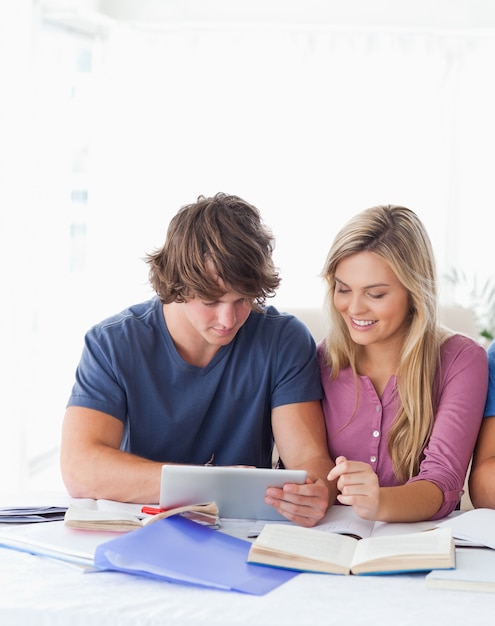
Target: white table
39	591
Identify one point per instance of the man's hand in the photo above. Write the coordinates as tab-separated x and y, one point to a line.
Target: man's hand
303	504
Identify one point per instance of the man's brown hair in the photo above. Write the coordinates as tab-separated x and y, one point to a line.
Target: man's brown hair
225	234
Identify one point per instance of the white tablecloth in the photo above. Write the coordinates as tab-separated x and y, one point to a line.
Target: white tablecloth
38	591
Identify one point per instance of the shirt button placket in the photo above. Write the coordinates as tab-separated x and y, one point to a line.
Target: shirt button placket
376	436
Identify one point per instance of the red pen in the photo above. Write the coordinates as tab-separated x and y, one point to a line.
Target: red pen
152	510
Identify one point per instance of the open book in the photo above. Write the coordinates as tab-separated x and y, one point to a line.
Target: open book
343	520
310	550
473	528
88	514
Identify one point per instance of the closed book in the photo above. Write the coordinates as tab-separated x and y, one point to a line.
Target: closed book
475	571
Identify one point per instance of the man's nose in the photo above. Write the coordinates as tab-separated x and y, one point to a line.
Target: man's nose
226	315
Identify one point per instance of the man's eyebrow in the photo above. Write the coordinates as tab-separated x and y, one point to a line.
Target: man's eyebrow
219	298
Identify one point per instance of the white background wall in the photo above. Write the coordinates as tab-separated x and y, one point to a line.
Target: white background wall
312	110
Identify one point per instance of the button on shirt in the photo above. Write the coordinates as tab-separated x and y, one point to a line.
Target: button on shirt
359	428
363	435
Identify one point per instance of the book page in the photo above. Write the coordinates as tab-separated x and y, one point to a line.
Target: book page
343	520
403	552
307	543
476	526
80	517
108	505
385	529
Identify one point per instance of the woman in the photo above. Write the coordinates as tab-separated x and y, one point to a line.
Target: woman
403	396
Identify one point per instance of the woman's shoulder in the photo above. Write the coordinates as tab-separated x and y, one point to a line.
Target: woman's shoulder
456	345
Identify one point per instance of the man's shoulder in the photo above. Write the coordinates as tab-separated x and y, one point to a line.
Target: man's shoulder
136	317
272	323
272	331
491	353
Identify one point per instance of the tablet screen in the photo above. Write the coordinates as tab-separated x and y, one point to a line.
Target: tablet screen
239	492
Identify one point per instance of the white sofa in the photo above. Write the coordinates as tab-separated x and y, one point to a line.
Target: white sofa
456	317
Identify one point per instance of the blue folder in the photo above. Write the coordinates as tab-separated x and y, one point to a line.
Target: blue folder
177	549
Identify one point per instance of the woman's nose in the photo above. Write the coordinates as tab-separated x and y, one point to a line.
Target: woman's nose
356	305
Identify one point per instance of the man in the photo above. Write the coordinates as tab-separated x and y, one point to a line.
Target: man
202	373
482	477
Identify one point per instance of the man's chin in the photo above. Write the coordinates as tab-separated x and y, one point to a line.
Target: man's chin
223	337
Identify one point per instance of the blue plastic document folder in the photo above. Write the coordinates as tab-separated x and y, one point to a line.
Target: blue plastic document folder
176	549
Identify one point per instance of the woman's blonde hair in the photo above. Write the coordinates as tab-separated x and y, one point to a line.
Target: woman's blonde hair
396	235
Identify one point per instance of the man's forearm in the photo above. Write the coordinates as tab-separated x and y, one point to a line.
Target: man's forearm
482	484
106	473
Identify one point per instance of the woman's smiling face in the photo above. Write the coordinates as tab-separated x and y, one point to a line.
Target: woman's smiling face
372	301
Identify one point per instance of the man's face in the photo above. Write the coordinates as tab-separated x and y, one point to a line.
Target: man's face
217	321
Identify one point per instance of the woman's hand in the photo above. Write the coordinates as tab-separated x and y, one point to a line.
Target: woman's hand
358	486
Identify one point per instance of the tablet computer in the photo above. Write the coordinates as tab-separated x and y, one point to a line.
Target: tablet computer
239	492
